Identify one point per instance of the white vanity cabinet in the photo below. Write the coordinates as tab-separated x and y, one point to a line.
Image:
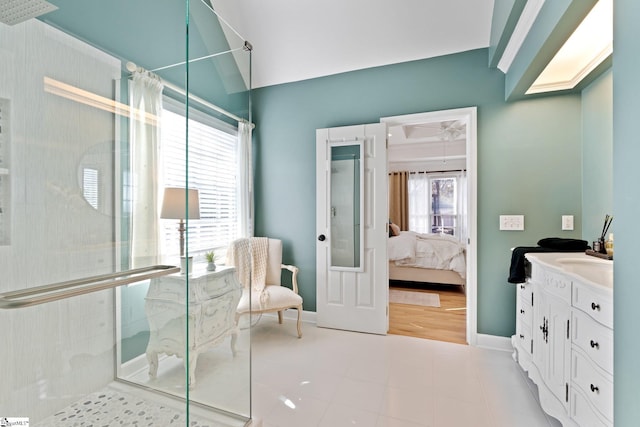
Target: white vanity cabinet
570	353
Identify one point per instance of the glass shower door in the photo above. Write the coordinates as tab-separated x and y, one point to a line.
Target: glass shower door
107	318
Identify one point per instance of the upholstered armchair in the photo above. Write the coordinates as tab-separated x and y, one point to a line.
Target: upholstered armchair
258	261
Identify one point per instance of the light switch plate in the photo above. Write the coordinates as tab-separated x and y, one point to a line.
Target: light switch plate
512	222
567	222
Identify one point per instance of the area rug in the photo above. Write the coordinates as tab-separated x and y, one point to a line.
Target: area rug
414	298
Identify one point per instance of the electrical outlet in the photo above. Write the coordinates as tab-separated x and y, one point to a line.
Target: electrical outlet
567	222
512	222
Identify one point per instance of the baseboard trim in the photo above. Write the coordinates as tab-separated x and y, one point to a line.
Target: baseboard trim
494	342
292	313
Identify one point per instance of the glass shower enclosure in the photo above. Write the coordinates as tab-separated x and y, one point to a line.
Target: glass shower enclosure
121	135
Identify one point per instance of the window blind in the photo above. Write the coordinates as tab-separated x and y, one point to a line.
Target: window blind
211	168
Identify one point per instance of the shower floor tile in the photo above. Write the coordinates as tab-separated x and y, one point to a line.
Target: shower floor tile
111	407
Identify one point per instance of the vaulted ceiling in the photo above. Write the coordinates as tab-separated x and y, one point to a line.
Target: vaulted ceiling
303	39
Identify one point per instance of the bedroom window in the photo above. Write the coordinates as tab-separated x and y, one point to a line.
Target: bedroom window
443	215
436	203
213	166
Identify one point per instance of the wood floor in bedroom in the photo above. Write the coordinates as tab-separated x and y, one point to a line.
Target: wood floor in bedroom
444	323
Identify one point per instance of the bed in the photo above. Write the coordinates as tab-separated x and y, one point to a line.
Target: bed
428	258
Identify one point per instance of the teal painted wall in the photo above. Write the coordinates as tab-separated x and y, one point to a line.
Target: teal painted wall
597	156
626	207
529	159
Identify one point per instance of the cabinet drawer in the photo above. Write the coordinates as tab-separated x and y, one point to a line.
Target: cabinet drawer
594	384
525	292
597	303
594	339
525	311
555	284
583	414
523	336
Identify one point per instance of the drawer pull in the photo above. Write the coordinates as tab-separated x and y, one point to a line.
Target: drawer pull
595	306
521	311
521	286
595	389
521	336
594	344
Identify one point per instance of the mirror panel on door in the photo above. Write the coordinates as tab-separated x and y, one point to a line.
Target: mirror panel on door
346	209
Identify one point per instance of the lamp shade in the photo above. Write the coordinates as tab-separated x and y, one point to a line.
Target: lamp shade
174	204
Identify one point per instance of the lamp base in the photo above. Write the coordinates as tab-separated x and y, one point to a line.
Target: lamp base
186	264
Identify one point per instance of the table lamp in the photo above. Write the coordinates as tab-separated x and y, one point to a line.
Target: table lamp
180	203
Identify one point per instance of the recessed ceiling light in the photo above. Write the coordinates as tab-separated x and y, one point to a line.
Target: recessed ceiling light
589	45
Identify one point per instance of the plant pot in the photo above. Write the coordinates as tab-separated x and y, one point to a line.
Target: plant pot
211	266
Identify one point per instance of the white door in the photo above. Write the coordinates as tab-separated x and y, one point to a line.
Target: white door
351	225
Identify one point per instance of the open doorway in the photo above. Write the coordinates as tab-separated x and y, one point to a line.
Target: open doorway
434	156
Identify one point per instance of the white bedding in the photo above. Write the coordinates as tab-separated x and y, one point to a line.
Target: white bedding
439	251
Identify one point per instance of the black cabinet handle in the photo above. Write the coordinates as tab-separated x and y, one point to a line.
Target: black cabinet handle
521	286
594	344
595	306
521	336
322	238
594	388
521	311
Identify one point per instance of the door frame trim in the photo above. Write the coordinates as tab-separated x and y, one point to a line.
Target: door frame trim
468	115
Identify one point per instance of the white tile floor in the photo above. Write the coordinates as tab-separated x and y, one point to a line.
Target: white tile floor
332	378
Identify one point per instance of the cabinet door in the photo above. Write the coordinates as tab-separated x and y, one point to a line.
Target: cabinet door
540	320
559	346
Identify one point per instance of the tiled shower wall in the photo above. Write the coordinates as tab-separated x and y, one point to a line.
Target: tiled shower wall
53	354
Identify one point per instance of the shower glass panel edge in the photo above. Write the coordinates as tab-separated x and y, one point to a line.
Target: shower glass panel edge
73	197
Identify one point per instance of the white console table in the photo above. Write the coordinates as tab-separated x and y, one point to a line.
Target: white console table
213	298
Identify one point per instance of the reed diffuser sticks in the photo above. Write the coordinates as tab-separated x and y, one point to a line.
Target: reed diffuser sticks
607	223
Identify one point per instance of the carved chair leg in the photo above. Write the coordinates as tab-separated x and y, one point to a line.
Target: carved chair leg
280	317
299	324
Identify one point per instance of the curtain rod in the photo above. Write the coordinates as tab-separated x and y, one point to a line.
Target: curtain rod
132	67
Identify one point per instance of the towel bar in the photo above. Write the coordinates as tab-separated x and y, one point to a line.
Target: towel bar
62	290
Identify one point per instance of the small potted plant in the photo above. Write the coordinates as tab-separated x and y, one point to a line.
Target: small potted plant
211	258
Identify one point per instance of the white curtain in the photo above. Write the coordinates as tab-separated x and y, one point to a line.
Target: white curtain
463	206
419	190
145	95
245	186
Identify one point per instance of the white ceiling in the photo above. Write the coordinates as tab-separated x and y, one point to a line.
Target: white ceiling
296	40
427	146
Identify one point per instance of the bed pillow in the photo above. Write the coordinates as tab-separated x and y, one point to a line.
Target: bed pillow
394	230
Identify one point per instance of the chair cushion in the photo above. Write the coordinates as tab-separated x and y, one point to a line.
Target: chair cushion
277	298
274	262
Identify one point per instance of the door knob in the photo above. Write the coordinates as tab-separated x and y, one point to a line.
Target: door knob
322	238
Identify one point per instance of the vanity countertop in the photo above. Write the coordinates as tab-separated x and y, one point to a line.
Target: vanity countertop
594	271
